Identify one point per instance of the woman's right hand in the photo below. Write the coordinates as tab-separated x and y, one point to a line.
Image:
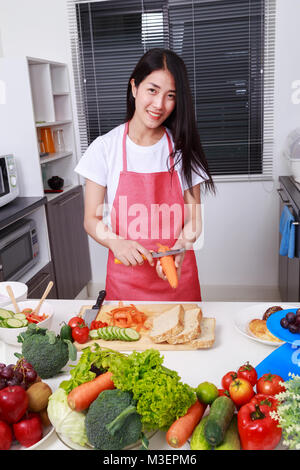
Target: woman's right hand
130	252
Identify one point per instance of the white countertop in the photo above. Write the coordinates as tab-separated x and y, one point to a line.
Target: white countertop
230	350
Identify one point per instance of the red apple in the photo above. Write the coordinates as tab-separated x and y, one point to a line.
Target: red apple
6	437
29	430
13	403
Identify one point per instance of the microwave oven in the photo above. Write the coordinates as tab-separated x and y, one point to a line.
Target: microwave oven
9	188
19	249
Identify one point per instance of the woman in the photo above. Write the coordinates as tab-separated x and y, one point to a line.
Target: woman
148	171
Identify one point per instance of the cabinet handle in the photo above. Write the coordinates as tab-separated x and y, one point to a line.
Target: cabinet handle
285	202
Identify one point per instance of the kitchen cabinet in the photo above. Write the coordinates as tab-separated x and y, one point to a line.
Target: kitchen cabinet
38	283
69	243
37	96
289	268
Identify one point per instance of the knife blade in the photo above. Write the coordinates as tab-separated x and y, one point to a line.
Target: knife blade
159	254
92	313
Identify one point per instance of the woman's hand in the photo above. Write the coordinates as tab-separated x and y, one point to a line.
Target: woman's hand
130	252
178	259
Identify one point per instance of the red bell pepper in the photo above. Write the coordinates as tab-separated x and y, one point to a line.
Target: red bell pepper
257	430
269	400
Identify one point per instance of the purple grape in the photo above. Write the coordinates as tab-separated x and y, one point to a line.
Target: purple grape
7	372
18	376
30	376
12	382
2	365
291	317
284	323
2	383
293	328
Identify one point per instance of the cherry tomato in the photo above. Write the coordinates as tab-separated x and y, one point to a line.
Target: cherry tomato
247	372
228	378
222	392
270	384
97	324
267	400
80	333
241	391
75	321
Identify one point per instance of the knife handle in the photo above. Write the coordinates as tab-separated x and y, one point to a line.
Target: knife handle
100	299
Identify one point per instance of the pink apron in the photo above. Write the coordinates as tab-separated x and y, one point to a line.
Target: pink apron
135	211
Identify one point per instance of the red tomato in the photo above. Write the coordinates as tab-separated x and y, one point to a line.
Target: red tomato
222	392
248	372
75	321
29	430
266	400
13	403
241	391
80	333
228	378
6	437
269	384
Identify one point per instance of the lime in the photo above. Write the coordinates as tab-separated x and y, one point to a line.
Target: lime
207	392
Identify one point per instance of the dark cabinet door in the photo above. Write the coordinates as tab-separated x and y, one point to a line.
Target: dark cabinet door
39	282
289	268
69	243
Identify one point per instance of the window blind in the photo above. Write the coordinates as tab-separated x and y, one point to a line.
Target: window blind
228	48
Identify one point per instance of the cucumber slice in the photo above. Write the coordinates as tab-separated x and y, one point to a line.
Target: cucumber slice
14	323
94	334
20	316
131	334
4	314
25	322
110	332
103	333
123	336
116	332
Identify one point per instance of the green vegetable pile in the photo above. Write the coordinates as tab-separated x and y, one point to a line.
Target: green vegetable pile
47	352
288	412
159	393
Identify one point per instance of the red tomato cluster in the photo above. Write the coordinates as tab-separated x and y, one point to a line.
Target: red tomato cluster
80	331
16	421
257	430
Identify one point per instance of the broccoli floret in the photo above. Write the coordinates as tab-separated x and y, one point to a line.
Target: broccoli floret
112	421
45	351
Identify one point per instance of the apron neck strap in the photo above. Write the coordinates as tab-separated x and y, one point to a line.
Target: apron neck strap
125	153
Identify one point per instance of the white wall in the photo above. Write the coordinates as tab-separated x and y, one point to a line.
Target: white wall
241	222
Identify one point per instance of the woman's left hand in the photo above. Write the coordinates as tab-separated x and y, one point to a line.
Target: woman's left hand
178	259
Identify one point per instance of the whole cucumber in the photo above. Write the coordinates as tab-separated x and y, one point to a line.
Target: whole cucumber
231	440
219	418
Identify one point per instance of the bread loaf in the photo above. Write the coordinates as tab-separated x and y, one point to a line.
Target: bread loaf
168	324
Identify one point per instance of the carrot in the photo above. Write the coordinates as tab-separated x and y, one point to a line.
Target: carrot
83	395
168	266
179	432
127	317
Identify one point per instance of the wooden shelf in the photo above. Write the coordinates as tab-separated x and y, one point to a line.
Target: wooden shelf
55	156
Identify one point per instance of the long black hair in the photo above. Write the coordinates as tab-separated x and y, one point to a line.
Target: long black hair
182	121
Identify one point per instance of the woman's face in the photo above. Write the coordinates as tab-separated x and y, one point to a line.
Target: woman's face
155	98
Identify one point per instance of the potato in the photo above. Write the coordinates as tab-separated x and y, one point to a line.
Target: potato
38	395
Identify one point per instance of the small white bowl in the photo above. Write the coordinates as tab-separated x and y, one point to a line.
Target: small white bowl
10	335
19	289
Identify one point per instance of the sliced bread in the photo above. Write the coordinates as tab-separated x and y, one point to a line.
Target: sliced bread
167	324
192	327
207	336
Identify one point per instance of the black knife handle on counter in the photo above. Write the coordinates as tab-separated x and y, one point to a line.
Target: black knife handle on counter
100	299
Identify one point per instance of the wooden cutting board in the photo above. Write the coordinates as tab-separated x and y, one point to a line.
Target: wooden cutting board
144	342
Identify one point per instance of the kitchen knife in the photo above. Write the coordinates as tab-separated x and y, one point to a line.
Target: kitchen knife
156	254
92	313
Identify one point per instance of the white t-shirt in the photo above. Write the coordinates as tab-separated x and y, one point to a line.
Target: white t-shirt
103	161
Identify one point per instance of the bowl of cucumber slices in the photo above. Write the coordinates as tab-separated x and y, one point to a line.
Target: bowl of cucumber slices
12	323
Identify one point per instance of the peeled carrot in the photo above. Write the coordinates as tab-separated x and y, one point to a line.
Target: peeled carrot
179	432
83	395
168	266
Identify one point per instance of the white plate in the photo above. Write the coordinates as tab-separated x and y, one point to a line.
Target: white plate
72	445
46	433
244	316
